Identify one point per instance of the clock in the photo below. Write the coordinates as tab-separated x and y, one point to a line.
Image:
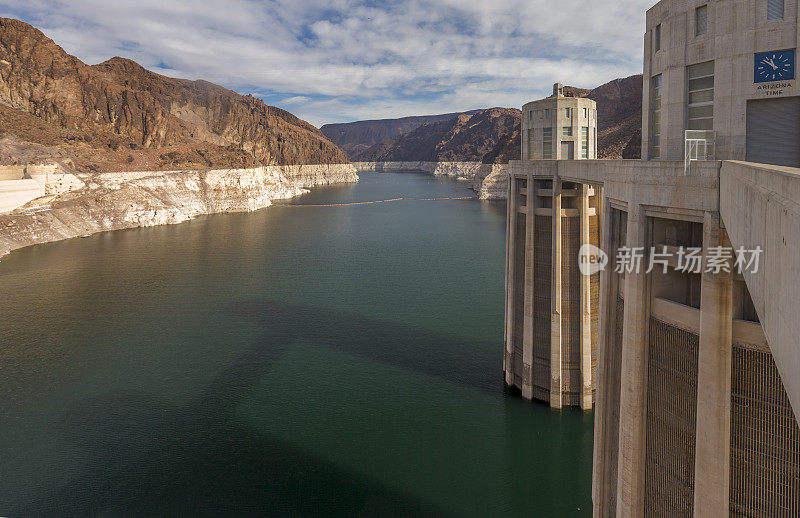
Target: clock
773	66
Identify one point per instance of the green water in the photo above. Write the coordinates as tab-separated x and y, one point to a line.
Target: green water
293	361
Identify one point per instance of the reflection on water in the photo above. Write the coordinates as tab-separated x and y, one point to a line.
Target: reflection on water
316	360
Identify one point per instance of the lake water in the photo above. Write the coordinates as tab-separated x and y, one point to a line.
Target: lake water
292	361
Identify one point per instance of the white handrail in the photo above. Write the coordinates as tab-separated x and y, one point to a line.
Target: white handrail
698	145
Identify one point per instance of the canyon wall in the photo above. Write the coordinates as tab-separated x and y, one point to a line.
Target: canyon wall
488	180
114	201
119	116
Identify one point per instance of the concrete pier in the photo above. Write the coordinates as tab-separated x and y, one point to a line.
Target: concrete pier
633	384
527	340
587	380
555	299
712	459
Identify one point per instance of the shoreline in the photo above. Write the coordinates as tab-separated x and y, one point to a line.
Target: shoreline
116	201
489	181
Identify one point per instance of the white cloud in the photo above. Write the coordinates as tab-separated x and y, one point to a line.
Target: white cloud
297	99
349	59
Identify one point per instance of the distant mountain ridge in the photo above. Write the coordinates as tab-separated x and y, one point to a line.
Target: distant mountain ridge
485	136
118	114
354	137
493	135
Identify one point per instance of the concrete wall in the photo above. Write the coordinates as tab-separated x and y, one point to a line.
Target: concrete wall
15	193
18	172
760	206
26	183
20	184
736	31
12	172
661	186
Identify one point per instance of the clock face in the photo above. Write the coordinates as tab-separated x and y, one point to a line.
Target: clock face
773	66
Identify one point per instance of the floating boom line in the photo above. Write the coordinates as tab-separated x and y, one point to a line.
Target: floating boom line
373	202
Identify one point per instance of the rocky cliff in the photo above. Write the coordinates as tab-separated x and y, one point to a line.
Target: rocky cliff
118	115
619	117
355	137
113	201
486	136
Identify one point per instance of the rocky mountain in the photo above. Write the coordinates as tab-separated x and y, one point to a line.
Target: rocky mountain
493	135
118	115
354	137
486	136
619	117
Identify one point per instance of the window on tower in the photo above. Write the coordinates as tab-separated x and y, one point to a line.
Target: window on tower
655	117
700	109
657	38
774	9
701	20
585	142
547	143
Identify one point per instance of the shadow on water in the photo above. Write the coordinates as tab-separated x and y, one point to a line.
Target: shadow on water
414	350
144	457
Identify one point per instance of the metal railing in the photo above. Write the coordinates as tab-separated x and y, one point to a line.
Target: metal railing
698	145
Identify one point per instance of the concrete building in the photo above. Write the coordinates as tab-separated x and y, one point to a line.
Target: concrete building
559	128
726	67
551	338
698	378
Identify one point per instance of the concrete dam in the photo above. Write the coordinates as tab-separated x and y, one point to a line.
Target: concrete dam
693	372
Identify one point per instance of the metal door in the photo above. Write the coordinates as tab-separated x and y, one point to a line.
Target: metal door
773	131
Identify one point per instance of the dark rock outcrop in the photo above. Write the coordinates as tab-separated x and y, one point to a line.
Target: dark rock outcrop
619	116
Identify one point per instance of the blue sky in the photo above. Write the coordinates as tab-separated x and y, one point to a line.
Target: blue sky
344	60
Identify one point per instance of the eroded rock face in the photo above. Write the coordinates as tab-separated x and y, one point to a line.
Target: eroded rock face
148	110
114	201
492	182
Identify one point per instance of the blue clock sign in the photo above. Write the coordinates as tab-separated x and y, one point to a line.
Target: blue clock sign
773	66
